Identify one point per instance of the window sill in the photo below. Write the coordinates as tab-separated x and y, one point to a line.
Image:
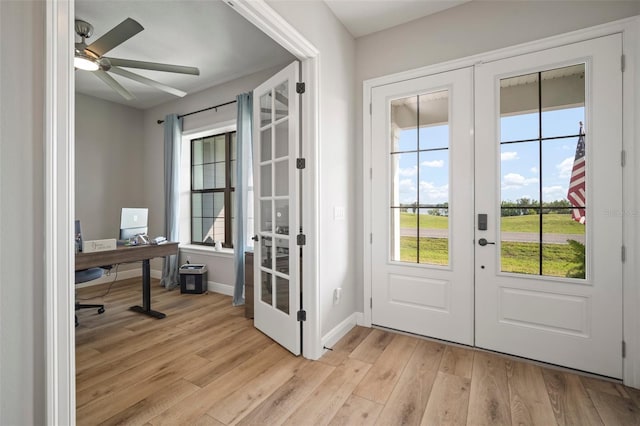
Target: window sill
204	250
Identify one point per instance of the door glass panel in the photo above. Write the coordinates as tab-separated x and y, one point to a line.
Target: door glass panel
419	197
265	109
543	201
282	101
282	139
519	105
265	180
265	144
282	255
265	246
282	178
266	289
282	294
265	215
282	217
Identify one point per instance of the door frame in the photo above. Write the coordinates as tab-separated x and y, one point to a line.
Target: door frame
630	30
58	328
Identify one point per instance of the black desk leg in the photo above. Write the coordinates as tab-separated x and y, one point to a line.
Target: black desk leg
146	294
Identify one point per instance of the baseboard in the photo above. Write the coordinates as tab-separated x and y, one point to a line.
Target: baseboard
225	289
360	319
339	331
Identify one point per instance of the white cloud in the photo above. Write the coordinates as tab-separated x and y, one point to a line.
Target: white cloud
411	171
555	192
430	193
509	155
515	180
434	163
565	167
534	170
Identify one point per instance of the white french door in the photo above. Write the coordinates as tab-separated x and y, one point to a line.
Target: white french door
276	188
496	206
422	249
529	144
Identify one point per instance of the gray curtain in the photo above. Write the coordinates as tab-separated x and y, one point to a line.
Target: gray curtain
244	190
172	139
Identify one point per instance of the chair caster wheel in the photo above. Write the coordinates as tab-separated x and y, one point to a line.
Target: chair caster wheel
101	311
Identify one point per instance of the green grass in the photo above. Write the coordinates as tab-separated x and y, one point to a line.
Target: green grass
516	257
552	223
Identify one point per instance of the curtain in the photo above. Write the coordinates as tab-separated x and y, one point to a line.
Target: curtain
172	139
244	190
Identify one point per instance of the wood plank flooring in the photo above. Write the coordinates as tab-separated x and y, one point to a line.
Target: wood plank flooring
205	364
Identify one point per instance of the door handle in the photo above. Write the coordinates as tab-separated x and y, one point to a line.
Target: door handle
483	242
255	238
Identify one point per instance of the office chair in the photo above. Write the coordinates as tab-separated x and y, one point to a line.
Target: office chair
82	277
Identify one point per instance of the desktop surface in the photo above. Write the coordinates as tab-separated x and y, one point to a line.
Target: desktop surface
125	254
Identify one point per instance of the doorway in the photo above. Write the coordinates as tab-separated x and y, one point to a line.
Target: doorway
496	234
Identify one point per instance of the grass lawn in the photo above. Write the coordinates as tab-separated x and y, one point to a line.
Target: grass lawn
551	223
516	257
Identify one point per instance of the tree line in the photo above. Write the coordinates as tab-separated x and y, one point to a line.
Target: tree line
520	207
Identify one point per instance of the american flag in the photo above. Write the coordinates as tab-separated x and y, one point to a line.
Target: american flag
576	194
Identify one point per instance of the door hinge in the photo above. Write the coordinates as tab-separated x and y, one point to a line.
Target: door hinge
370	109
624	349
300	88
623	253
370	173
301	163
371	302
301	239
371	238
623	158
622	63
302	315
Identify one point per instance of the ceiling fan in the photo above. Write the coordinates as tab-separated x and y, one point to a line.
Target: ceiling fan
90	58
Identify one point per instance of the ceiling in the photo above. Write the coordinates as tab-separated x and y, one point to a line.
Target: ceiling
209	35
212	36
362	17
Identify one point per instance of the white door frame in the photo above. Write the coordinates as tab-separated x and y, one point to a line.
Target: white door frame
630	30
59	180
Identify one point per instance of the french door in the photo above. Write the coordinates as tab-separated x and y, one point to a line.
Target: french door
549	143
422	183
276	188
496	206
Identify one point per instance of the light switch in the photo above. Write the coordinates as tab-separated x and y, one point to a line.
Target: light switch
338	213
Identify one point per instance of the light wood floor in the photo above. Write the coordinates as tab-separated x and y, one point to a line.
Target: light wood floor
205	364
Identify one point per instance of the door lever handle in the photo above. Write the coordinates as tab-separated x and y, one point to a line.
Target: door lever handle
255	238
483	242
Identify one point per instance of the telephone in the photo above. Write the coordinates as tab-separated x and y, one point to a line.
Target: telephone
140	239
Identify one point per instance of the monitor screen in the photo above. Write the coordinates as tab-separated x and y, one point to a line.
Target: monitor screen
133	221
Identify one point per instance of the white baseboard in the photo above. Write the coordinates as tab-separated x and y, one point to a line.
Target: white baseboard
225	289
360	320
339	331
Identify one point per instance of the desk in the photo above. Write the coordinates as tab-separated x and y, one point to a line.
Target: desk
128	254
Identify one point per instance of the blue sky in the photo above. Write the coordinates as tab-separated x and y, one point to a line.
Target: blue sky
519	166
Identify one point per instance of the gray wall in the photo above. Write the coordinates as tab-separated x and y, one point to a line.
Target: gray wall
110	168
465	30
22	215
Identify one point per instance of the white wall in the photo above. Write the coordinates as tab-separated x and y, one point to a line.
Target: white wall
109	164
337	258
221	269
472	28
22	215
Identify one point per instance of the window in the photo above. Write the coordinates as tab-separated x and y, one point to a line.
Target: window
213	174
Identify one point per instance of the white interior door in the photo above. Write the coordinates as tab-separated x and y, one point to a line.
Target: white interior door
276	188
537	295
422	240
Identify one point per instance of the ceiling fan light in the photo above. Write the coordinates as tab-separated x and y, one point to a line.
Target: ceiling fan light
84	62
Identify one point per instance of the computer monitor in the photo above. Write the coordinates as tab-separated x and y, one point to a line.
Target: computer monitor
133	221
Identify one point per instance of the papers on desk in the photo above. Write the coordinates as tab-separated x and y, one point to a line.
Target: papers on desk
91	246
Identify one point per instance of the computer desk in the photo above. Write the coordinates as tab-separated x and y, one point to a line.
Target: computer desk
128	254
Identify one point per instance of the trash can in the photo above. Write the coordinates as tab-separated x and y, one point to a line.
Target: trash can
193	278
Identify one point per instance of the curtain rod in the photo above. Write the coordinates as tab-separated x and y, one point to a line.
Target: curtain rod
202	110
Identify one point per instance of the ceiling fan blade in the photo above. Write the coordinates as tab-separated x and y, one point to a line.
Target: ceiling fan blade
129	63
147	81
111	82
117	35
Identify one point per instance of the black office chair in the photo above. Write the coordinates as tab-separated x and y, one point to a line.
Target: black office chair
84	276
